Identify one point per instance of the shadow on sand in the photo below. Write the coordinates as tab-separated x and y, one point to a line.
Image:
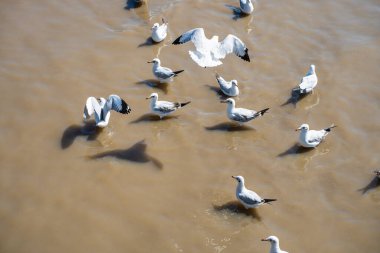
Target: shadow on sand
229	127
150	117
238	14
375	182
217	91
136	153
89	130
295	97
238	208
133	4
294	150
149	42
155	84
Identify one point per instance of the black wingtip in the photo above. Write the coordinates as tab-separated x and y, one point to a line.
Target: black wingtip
186	103
177	41
245	57
178	71
269	200
329	128
263	111
125	109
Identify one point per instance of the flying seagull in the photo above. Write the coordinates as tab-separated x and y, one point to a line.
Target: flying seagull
241	115
274	244
248	198
101	108
209	52
159	32
163	74
312	138
163	108
229	88
308	82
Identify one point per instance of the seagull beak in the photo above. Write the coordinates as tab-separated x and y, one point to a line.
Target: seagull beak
148	98
264	240
149	62
223	101
233	177
297	129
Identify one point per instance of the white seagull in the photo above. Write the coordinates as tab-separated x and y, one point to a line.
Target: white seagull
228	88
159	32
274	244
163	108
101	108
312	138
246	6
248	198
308	82
241	115
209	52
163	74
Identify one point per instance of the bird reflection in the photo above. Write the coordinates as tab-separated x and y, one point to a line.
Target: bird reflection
294	150
238	208
237	12
155	84
229	127
136	153
89	129
375	182
149	117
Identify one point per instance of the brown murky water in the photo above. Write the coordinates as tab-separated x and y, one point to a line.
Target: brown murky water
175	192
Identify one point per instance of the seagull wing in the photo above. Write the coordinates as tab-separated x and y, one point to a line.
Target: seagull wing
197	36
242	114
224	85
164	73
315	136
250	197
92	106
232	44
308	82
118	104
165	106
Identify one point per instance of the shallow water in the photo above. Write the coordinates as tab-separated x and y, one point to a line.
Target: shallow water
173	192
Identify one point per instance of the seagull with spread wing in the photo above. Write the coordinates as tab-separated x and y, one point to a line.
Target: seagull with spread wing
101	108
209	52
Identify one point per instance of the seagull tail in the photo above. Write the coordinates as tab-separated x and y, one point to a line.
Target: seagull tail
269	200
261	113
177	72
186	103
329	128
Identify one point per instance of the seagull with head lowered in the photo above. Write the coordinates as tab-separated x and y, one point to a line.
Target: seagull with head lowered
312	138
308	82
241	115
248	198
163	74
228	88
274	244
163	108
101	108
159	32
246	6
209	52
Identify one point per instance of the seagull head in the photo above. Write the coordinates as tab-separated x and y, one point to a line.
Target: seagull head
303	127
230	101
377	172
155	61
271	239
153	95
155	26
234	82
240	179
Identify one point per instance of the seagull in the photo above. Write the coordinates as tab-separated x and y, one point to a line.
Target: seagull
312	138
163	74
228	88
209	52
308	82
241	115
246	6
248	198
377	172
163	108
101	108
274	244
159	32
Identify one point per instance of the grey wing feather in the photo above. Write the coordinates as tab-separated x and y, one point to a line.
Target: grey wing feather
232	44
118	104
243	115
92	105
250	198
164	73
165	106
197	36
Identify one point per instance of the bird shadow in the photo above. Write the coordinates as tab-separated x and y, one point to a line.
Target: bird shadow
375	182
150	117
136	153
294	150
237	13
155	84
236	207
229	127
133	4
217	91
149	42
89	129
294	98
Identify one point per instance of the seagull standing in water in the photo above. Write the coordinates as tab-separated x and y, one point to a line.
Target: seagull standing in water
308	82
248	198
228	88
159	32
241	115
163	74
246	6
312	138
209	52
163	108
274	244
101	108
